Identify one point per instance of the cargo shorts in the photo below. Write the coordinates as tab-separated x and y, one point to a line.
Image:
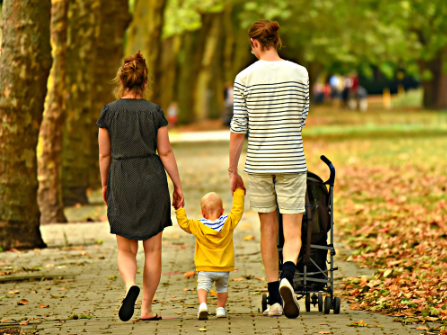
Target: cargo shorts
289	190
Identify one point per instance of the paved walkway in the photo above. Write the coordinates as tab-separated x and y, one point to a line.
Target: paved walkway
75	277
73	287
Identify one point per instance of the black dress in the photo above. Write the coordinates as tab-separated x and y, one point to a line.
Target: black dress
137	190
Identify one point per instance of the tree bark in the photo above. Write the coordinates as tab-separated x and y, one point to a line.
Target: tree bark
49	155
81	46
190	61
435	88
208	103
113	20
145	34
24	67
167	81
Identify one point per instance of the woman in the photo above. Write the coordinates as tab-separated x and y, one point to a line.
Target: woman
134	185
271	99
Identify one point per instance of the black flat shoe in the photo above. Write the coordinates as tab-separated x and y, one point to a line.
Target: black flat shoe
128	306
155	318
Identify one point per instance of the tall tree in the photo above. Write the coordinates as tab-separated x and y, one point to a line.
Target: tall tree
425	43
24	67
50	140
145	34
112	23
81	53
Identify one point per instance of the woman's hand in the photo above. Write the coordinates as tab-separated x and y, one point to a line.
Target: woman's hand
104	194
178	200
236	182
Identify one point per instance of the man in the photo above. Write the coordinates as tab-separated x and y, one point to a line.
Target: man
271	100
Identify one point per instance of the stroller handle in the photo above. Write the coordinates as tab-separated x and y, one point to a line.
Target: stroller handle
331	179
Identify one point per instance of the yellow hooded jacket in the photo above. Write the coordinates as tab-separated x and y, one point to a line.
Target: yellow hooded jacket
214	249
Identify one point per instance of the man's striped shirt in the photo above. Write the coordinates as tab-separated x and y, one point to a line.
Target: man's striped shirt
271	101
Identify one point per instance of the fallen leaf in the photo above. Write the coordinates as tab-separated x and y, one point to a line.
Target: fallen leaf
44	306
14	292
22	302
188	289
260	278
203	329
249	237
189	274
214	293
238	279
360	323
324	332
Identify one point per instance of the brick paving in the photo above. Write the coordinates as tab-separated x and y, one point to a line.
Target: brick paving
77	276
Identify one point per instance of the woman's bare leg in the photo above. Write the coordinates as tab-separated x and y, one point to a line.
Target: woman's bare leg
127	260
151	273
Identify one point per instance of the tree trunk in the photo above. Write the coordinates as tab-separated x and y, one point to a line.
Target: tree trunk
81	46
24	67
193	46
210	76
50	141
113	20
171	47
145	35
435	88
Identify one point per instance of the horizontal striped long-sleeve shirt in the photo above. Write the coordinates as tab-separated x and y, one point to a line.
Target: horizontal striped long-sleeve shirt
271	102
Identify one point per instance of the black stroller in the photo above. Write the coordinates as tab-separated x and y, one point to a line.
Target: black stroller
314	276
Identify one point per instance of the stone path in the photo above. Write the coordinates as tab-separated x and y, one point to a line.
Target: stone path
73	287
80	278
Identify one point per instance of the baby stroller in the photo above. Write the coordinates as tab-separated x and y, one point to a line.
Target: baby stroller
314	276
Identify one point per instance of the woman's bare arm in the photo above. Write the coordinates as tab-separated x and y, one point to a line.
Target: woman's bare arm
104	158
167	157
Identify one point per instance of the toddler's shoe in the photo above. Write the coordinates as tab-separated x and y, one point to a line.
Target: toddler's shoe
203	312
221	312
273	310
290	303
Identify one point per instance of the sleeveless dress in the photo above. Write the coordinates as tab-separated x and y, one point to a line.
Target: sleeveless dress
138	199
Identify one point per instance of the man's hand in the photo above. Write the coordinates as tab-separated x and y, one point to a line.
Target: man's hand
236	182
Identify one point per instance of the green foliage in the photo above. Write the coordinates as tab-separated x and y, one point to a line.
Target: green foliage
186	15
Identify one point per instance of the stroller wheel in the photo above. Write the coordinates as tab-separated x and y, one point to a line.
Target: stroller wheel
307	302
337	305
320	302
264	302
327	304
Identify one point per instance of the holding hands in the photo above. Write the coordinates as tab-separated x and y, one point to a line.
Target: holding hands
178	200
236	181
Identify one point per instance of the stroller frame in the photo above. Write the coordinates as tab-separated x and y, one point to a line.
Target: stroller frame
302	281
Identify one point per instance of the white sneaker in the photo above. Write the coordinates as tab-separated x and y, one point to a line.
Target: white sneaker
290	303
221	312
273	310
203	312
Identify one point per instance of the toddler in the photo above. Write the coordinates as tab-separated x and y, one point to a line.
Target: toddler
214	252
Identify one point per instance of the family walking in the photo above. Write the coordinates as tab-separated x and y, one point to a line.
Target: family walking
271	102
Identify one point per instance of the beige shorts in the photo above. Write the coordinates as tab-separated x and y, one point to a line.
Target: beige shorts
288	189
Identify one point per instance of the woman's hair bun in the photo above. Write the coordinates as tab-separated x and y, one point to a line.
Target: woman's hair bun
132	75
133	61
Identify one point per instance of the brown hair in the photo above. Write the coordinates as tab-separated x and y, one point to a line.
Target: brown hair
132	75
267	33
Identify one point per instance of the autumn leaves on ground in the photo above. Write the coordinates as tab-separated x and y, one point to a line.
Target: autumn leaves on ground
391	211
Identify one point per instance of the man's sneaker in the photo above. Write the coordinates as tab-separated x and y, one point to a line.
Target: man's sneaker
221	312
203	312
290	303
273	310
